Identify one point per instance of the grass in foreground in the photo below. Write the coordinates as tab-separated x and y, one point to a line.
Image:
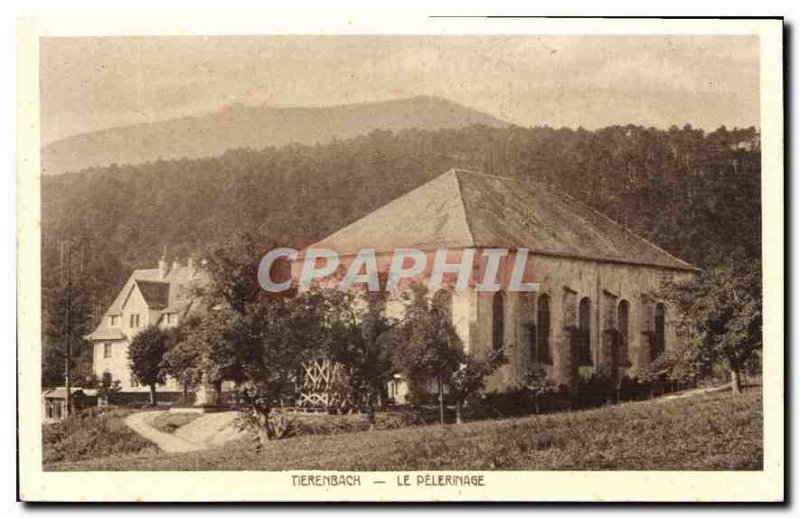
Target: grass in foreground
708	432
93	433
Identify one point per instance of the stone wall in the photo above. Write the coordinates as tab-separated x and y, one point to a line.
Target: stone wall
567	282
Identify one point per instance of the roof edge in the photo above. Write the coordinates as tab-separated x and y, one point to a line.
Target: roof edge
628	231
463	205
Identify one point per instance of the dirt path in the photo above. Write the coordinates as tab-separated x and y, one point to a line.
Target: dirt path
210	429
693	392
218	428
140	423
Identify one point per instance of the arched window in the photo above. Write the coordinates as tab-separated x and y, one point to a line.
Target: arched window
584	330
658	335
622	317
498	321
542	353
443	299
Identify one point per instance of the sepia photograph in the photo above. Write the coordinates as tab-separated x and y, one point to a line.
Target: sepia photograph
409	262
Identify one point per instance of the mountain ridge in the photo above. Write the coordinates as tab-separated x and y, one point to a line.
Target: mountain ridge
240	125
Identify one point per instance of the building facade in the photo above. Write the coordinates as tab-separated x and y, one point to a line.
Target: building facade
159	296
595	309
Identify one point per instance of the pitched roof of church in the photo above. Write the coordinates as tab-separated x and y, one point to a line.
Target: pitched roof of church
462	208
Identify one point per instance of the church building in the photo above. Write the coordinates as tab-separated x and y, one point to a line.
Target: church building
596	309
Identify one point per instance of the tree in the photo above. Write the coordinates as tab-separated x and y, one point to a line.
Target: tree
719	318
286	331
368	355
241	333
427	346
92	273
470	377
146	354
355	334
108	388
182	361
538	383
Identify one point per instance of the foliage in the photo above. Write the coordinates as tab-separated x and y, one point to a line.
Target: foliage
183	359
92	434
258	414
281	425
108	388
426	346
705	432
146	354
93	276
595	389
719	319
695	194
470	377
538	383
355	334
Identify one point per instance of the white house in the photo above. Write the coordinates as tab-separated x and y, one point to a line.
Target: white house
159	296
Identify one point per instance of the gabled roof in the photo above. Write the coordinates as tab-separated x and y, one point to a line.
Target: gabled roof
61	392
156	294
462	209
180	283
171	294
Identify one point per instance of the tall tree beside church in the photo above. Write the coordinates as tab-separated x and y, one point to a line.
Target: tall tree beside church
719	317
427	346
356	334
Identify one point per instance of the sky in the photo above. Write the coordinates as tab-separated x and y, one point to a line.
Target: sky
88	84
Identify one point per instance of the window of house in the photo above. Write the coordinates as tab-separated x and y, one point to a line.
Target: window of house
114	320
498	321
584	332
543	330
106	350
134	383
134	320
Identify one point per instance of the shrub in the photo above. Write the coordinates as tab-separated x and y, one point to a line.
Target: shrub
539	385
281	425
108	389
633	389
595	390
90	434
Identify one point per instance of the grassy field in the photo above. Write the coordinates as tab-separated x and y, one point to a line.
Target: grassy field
706	432
97	432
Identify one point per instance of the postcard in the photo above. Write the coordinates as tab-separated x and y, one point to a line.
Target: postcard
420	259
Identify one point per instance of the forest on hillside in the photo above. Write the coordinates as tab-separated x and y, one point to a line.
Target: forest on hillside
695	194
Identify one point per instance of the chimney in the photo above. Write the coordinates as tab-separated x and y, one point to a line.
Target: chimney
162	265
